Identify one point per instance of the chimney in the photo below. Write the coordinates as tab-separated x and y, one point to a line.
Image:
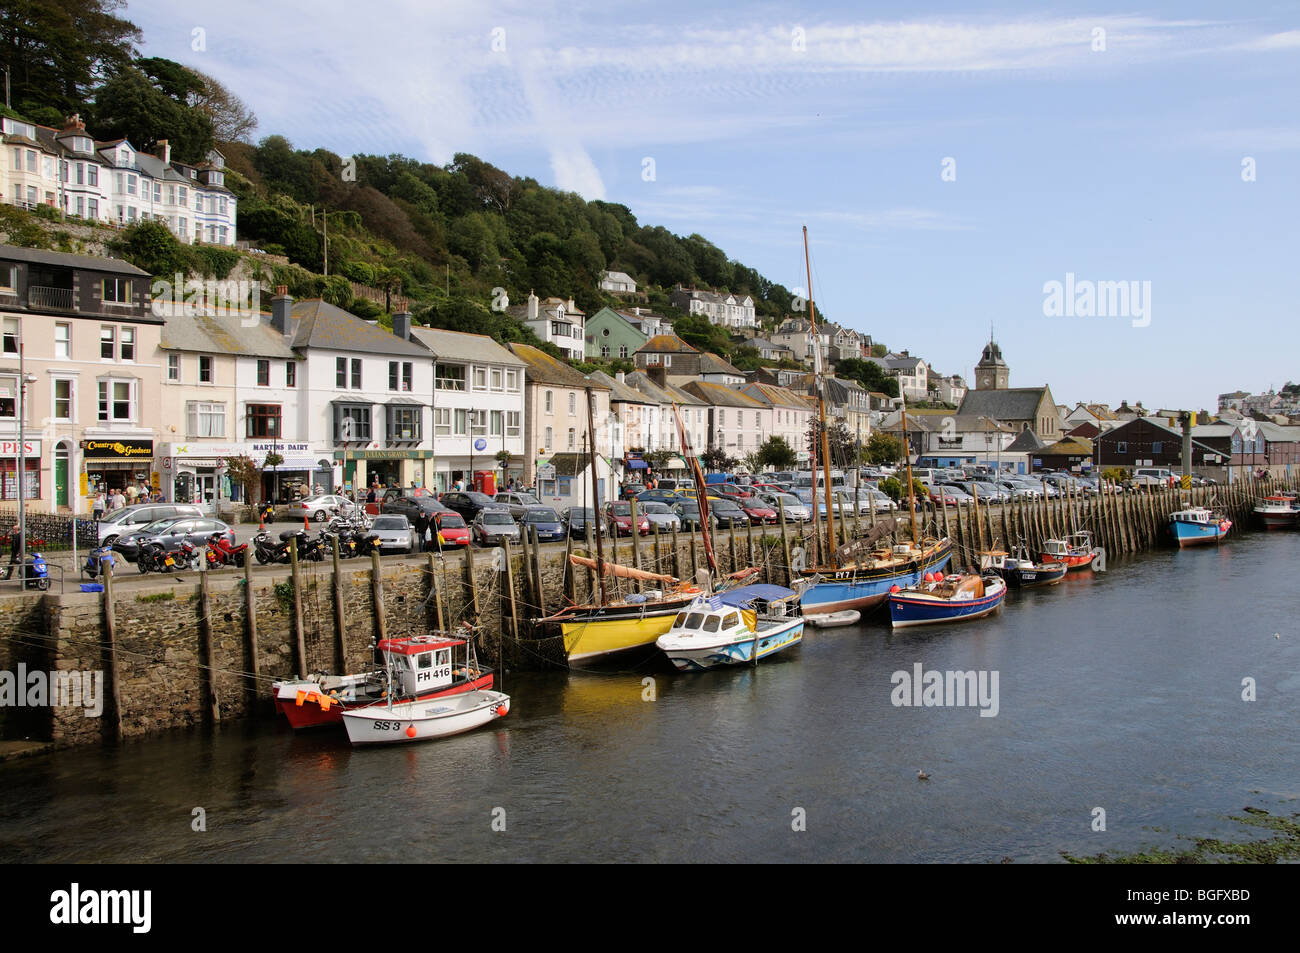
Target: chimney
164	151
572	307
637	311
621	377
658	374
280	306
74	123
532	306
402	321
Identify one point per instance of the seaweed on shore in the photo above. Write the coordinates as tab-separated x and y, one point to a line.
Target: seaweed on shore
1283	846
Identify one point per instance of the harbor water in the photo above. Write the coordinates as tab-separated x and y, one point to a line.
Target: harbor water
1121	691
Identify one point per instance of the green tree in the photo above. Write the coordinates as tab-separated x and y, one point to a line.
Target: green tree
777	453
716	460
152	247
149	102
843	445
883	448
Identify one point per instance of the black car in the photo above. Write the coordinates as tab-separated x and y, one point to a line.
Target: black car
688	511
727	512
576	519
411	506
171	532
469	503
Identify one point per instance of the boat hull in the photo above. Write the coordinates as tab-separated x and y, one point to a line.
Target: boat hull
1029	578
1279	520
830	620
908	610
865	589
309	711
605	633
689	657
1199	534
424	720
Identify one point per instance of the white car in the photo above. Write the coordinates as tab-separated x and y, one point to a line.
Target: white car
661	515
321	508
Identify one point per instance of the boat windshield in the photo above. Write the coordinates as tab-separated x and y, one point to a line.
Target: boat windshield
711	623
680	621
693	622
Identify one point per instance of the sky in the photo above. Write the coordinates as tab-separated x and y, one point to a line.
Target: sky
1113	191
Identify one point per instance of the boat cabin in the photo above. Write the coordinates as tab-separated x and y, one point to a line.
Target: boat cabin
1198	515
421	662
1074	545
737	611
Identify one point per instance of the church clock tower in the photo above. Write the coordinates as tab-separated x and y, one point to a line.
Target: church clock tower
992	373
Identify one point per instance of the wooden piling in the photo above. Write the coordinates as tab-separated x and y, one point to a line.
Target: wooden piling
109	649
435	593
340	611
470	602
253	664
508	591
537	574
209	702
377	593
299	635
785	542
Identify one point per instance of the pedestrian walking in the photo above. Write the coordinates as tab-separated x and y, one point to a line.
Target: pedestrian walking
15	547
97	507
421	527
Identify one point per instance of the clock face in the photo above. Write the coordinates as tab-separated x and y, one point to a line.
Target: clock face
987	381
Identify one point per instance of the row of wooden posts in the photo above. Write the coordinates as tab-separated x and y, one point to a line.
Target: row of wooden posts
1122	522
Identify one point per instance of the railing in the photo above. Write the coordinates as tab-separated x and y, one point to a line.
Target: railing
50	531
60	299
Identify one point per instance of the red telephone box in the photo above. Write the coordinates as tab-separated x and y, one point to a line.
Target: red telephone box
485	481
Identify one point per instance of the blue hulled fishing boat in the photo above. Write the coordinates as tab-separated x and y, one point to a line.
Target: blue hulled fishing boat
1196	525
946	599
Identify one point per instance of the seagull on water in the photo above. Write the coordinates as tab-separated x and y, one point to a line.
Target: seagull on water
921	775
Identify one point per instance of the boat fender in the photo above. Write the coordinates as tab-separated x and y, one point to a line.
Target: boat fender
894	588
410	731
501	711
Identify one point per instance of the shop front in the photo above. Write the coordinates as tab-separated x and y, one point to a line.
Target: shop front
116	464
299	474
31	458
360	470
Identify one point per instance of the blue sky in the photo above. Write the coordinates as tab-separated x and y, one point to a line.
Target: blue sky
1122	162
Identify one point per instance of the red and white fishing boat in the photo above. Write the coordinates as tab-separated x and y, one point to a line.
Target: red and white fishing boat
1076	551
1278	512
424	667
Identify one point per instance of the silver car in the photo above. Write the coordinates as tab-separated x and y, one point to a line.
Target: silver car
491	527
795	509
132	519
394	532
661	515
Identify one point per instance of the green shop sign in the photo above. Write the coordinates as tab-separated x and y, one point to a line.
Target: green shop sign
383	454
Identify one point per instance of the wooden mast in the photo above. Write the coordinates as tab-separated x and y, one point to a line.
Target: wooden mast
821	413
701	496
595	497
907	456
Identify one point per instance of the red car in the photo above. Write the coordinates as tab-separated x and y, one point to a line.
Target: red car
618	519
452	528
757	511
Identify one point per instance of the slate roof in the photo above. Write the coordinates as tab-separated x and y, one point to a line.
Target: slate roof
39	256
666	344
713	364
213	334
544	369
774	396
720	395
319	324
462	346
1016	403
1070	446
619	393
1027	442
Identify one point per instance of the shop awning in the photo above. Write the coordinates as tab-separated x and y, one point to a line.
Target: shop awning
676	464
637	465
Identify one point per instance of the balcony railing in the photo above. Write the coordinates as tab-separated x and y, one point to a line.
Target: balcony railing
58	299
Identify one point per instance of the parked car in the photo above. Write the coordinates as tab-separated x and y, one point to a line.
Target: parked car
395	493
492	526
796	510
171	532
658	496
321	508
132	518
469	503
629	491
946	495
727	512
412	506
618	519
395	533
517	503
688	511
544	521
576	519
452	528
988	492
757	511
659	514
877	501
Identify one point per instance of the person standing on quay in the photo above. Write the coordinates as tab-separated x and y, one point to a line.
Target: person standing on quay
97	507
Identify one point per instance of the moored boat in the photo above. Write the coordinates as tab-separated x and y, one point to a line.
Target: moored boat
955	598
829	620
737	627
426	719
1076	551
1020	571
1196	525
427	666
1278	512
864	585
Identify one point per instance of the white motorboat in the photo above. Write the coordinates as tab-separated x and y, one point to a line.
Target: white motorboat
423	720
827	620
735	627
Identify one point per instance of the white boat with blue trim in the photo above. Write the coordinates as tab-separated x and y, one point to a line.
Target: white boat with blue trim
736	627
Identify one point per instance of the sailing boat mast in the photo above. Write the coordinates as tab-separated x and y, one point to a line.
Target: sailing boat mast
907	456
821	411
595	496
701	494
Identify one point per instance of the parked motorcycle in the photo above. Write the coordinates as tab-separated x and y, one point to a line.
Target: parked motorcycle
267	550
219	553
153	557
35	575
96	559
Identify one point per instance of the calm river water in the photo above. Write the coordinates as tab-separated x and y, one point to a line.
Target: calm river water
1121	691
